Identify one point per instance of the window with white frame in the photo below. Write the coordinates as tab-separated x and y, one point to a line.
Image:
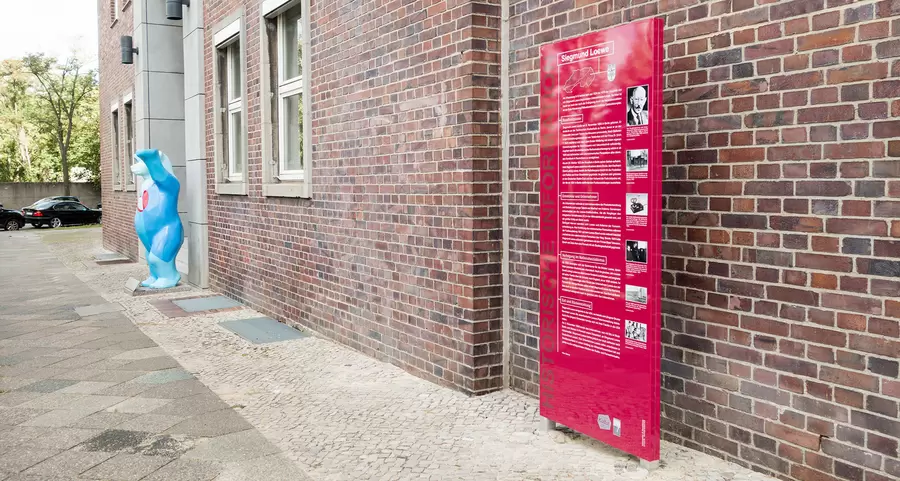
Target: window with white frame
290	93
116	159
129	143
115	10
232	105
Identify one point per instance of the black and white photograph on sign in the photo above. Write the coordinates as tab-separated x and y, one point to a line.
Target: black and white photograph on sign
637	160
638	106
636	331
636	251
636	204
636	294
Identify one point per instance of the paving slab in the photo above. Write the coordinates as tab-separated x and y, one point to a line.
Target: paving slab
68	463
151	364
239	446
151	423
211	424
170	445
59	418
127	467
95	309
263	330
87	387
116	376
103	420
164	376
20	435
114	440
110	256
20	459
175	389
62	438
188	470
138	405
198	304
193	405
126	389
268	468
13	416
146	353
47	385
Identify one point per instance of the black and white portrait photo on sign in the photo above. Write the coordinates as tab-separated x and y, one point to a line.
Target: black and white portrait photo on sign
636	294
638	105
636	204
637	160
636	251
636	331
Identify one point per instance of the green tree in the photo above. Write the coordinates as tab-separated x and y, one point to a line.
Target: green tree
16	102
62	91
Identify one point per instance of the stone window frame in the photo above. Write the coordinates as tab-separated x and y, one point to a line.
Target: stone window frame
273	185
115	12
116	146
227	32
128	179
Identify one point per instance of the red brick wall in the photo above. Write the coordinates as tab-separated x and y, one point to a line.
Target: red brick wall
782	239
117	80
398	252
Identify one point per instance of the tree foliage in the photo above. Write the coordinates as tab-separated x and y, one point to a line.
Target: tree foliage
49	121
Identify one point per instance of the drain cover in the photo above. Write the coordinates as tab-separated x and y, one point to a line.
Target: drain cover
261	330
206	303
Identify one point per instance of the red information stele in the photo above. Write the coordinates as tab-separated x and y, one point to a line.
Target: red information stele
601	230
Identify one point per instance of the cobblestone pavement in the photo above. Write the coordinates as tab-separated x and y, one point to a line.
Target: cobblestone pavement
84	394
344	416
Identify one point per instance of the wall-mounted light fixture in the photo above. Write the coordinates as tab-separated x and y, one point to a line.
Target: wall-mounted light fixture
173	8
128	49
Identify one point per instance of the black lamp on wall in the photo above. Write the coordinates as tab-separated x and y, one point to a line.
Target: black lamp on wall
128	49
173	8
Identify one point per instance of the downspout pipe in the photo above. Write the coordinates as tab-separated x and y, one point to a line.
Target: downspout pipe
504	145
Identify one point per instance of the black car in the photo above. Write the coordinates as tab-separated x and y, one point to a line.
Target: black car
11	219
70	198
59	213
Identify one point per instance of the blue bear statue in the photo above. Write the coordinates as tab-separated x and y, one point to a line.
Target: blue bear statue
156	221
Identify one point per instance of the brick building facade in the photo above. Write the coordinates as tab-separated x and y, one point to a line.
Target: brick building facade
781	317
117	85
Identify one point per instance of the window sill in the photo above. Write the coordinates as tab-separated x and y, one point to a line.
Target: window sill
287	189
126	5
130	188
114	22
117	188
232	188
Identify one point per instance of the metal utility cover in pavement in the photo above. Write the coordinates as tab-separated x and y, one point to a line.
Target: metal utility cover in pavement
206	303
261	330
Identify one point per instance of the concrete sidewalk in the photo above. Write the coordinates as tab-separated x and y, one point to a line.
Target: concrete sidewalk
341	415
84	394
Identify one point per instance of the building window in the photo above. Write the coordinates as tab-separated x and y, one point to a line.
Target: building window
290	94
286	168
115	10
231	115
235	102
116	159
129	143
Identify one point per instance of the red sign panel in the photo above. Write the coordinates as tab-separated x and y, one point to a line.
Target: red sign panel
601	229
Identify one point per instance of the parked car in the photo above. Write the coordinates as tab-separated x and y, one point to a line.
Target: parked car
11	219
59	213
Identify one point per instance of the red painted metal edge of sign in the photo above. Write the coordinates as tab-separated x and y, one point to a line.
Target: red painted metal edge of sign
601	234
